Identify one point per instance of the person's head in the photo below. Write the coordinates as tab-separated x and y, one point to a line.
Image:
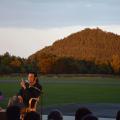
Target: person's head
55	115
89	117
32	78
81	112
118	115
1	96
32	116
13	113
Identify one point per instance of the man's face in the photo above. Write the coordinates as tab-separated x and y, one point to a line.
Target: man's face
31	79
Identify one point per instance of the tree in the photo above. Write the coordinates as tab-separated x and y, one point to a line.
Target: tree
115	63
64	66
45	63
15	64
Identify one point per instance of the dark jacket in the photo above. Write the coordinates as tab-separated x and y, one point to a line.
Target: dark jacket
30	92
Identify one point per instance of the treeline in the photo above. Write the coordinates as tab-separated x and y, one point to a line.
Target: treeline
12	64
51	64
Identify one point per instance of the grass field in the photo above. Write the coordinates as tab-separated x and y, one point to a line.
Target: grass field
65	90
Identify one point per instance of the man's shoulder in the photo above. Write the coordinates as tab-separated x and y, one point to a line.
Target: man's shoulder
38	85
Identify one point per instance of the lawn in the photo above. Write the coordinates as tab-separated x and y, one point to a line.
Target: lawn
65	90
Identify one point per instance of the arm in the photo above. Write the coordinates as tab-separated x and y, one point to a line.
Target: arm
21	91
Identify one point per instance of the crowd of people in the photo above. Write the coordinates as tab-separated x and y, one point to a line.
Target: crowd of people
13	113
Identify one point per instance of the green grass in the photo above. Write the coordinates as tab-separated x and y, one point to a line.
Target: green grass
65	90
8	90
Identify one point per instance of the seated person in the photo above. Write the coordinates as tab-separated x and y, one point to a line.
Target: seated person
1	96
55	115
13	113
32	116
30	89
89	117
118	115
82	112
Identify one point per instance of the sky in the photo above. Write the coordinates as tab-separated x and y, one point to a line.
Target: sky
27	26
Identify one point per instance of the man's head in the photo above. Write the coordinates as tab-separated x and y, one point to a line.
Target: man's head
55	115
118	115
81	112
32	78
13	113
89	117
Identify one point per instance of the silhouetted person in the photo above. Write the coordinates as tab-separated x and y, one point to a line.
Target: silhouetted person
13	113
32	116
1	96
118	115
81	112
55	115
89	117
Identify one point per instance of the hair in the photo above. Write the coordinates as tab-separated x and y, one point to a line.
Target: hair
13	113
118	115
81	112
32	116
55	115
89	117
0	93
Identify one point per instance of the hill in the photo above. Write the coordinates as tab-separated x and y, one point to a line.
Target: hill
93	45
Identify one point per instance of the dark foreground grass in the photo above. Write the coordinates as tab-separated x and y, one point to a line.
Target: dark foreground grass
65	90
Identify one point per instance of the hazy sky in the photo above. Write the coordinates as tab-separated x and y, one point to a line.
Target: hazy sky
29	25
